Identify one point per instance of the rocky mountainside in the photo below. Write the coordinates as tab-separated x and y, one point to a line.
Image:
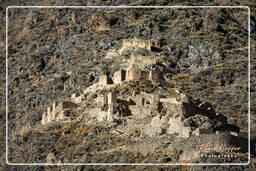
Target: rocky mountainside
54	53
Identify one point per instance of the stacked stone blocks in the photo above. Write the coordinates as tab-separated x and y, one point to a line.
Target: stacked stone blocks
129	75
145	44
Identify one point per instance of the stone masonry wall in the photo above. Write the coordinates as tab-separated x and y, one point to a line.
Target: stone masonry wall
133	74
143	60
145	44
154	77
104	80
119	76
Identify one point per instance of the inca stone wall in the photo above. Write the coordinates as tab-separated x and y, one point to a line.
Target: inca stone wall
119	76
145	44
104	80
133	74
142	61
75	98
55	113
154	77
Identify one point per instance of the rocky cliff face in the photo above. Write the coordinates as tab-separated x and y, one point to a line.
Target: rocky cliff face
56	52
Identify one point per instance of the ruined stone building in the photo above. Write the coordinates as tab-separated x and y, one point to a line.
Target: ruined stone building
76	98
119	76
170	113
142	61
145	44
57	112
130	74
104	80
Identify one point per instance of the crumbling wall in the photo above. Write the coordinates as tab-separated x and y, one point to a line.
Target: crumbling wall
133	74
107	102
112	98
59	113
55	112
110	113
102	116
119	76
154	77
145	75
170	100
49	114
157	126
177	127
144	103
103	101
143	60
44	119
136	74
59	107
76	98
155	99
145	44
104	80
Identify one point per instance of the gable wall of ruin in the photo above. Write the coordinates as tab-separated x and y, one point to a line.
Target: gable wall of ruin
145	44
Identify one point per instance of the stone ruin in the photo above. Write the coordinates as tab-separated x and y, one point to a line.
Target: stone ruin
104	80
114	108
142	54
131	74
57	112
134	70
107	107
76	98
119	76
60	112
178	115
172	114
142	61
145	44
